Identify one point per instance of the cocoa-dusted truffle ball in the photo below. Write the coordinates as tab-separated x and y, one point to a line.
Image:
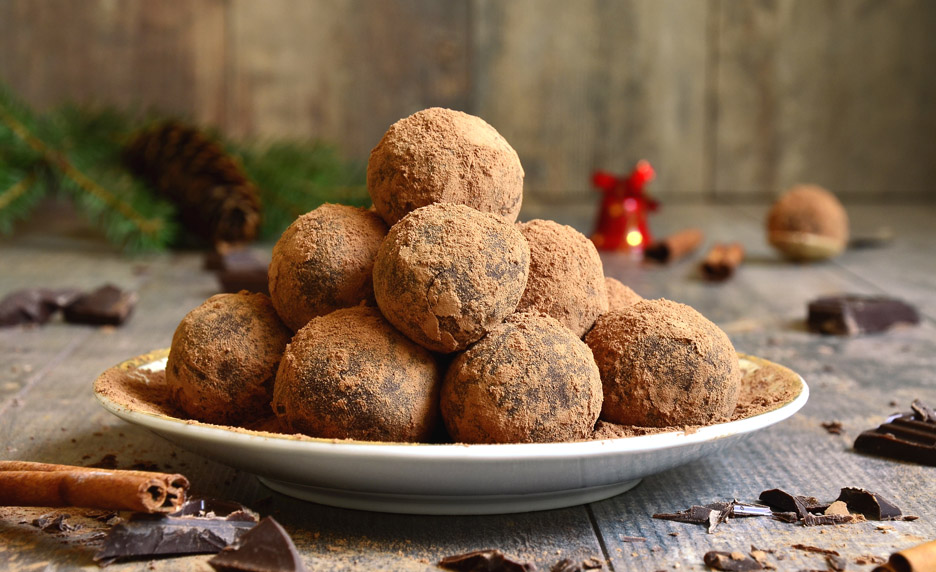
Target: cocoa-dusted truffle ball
566	276
808	223
224	357
441	155
620	295
664	364
529	380
446	273
350	375
324	261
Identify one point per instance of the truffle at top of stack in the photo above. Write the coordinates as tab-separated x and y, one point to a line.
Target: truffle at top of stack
620	295
446	273
442	155
324	261
566	275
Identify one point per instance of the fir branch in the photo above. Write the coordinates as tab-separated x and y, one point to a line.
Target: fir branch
120	211
18	196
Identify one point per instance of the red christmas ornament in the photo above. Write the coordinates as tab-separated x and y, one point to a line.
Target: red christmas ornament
622	218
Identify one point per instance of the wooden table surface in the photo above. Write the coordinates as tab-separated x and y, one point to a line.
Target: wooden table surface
48	412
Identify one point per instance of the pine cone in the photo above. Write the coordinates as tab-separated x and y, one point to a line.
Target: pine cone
214	196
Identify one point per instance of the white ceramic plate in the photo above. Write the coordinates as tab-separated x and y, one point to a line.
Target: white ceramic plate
446	479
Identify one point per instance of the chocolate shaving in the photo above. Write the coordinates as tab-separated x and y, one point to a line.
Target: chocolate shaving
54	523
732	561
266	546
568	565
833	427
485	561
922	412
872	505
814	549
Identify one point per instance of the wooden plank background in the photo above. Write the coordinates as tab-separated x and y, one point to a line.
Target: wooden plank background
730	100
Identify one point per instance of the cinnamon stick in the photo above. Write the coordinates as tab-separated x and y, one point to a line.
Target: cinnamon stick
920	558
24	483
675	246
721	261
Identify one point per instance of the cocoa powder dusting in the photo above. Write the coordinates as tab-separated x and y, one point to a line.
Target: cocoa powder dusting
324	261
566	276
350	375
441	155
664	364
529	380
620	295
447	273
224	357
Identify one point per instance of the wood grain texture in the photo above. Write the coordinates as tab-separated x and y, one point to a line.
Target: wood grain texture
594	85
828	91
130	53
50	413
344	70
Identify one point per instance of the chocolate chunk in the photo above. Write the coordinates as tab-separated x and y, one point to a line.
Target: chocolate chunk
108	305
266	547
833	427
908	437
485	561
238	269
568	565
55	523
853	314
145	536
872	505
783	501
732	561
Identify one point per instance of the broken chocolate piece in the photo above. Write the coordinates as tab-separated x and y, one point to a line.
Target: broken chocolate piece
52	522
814	549
872	505
853	314
238	269
145	536
908	437
108	305
266	547
732	561
783	501
485	561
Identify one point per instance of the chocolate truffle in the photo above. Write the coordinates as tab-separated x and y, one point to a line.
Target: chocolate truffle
446	273
664	364
529	380
324	261
808	223
566	276
224	357
350	375
620	295
441	155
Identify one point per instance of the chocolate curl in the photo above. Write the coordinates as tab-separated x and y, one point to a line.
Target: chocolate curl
23	483
675	246
721	261
920	558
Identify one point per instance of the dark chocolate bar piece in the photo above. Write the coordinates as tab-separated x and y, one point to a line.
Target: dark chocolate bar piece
34	305
872	505
146	536
266	547
854	314
485	561
108	305
238	269
903	438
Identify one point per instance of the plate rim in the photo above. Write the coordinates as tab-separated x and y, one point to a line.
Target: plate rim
452	451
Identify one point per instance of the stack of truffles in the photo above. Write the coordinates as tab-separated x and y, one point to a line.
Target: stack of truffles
436	317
